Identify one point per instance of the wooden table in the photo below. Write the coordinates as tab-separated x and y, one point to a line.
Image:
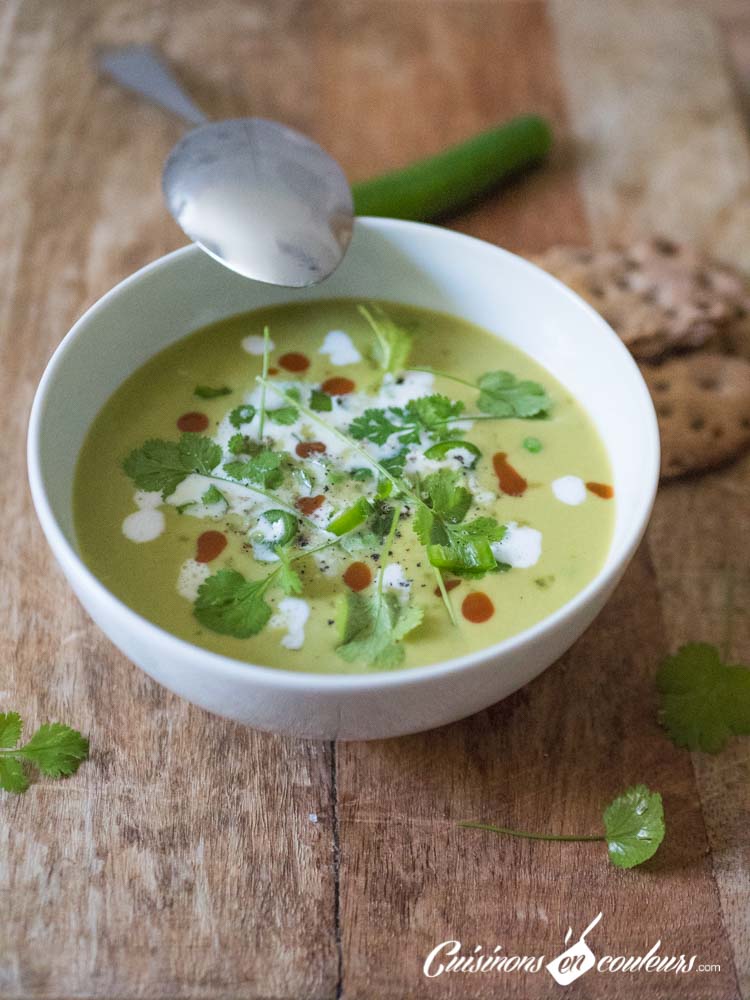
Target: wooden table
182	861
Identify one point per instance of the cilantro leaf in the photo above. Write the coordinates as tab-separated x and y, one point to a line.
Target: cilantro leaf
372	628
395	465
162	465
392	343
287	577
428	415
469	557
381	518
206	392
238	443
229	604
212	496
634	825
433	411
286	415
378	425
12	775
263	469
10	728
501	394
481	527
448	499
55	749
320	401
703	702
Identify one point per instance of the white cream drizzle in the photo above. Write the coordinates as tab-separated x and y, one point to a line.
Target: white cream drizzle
291	614
340	349
192	575
521	547
394	578
147	523
570	490
256	345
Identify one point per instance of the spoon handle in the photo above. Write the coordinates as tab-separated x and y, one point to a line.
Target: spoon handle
139	68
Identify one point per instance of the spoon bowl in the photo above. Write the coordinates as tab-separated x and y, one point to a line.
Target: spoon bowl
259	197
262	199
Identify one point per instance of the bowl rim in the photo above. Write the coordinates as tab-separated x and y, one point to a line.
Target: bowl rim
246	672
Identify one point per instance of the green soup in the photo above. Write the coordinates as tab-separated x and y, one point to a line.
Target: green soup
351	512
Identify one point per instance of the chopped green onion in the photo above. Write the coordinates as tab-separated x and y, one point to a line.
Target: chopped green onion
207	392
350	518
289	522
241	415
442	448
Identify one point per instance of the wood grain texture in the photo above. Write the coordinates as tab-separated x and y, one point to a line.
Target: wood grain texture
658	123
181	861
696	188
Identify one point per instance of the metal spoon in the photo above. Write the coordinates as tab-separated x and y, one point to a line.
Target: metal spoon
261	198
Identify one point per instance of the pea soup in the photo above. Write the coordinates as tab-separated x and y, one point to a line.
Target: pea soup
338	486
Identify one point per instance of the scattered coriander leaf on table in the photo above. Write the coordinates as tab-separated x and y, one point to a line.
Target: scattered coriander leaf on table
704	702
633	824
11	728
12	775
56	750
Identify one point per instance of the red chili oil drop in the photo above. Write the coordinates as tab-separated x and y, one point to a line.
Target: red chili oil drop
273	371
210	545
477	608
511	482
602	490
357	576
294	362
193	422
449	586
338	386
306	448
308	505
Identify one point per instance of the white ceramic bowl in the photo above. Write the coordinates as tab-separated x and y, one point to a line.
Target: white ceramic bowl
403	262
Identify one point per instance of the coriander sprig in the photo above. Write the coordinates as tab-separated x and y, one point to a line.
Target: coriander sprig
633	828
501	394
54	749
230	604
373	627
462	548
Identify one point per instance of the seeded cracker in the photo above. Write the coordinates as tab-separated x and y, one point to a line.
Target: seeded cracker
703	406
658	295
